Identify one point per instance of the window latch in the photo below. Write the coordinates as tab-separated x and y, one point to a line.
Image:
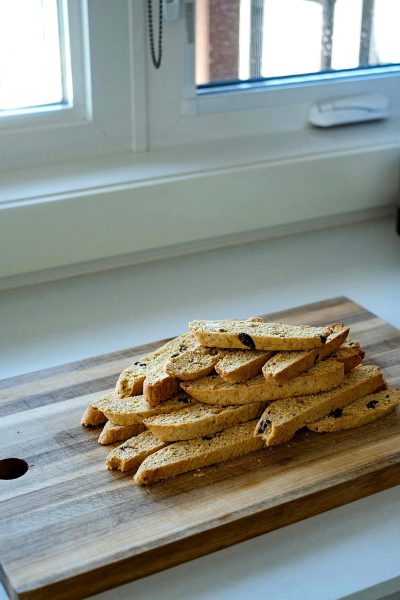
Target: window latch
355	109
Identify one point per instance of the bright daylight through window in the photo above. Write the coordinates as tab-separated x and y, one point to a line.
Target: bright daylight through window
34	70
239	41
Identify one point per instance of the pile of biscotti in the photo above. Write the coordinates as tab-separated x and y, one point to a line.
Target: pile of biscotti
228	388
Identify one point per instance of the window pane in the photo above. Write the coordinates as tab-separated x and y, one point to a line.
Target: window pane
386	47
30	54
241	40
282	32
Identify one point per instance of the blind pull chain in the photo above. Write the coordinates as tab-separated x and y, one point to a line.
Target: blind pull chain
155	59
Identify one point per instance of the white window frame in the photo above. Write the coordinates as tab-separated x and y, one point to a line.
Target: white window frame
208	177
264	109
102	118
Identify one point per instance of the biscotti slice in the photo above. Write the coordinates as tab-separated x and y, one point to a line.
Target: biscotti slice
128	411
325	375
285	366
201	452
358	413
283	418
232	365
199	420
93	416
350	355
131	380
258	336
112	433
159	386
193	364
240	365
132	453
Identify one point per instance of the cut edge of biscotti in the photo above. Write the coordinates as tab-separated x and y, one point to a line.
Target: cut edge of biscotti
283	418
127	411
182	457
93	416
193	364
324	376
285	366
236	366
258	336
150	369
360	412
232	365
200	420
351	355
132	452
112	433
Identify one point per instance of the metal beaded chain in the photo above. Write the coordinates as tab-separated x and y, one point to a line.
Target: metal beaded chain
156	60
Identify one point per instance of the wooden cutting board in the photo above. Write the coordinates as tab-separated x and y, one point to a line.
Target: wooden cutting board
70	528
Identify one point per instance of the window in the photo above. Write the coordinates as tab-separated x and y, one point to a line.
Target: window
222	161
65	80
241	68
263	40
34	60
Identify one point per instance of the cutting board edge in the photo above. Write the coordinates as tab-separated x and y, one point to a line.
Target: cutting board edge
203	543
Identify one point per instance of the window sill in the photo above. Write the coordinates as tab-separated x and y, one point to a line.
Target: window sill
128	205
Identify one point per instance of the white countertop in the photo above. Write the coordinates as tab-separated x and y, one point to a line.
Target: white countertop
354	549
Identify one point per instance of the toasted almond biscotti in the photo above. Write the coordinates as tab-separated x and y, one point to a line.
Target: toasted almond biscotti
360	412
285	366
127	411
214	390
258	336
132	453
193	454
283	418
199	420
241	365
112	433
131	380
93	416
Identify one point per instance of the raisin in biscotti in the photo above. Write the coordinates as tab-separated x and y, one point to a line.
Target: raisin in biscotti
132	453
112	433
258	336
189	455
283	418
128	411
199	420
362	411
214	390
132	381
285	366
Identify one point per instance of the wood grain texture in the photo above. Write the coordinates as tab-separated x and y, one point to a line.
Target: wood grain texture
70	528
